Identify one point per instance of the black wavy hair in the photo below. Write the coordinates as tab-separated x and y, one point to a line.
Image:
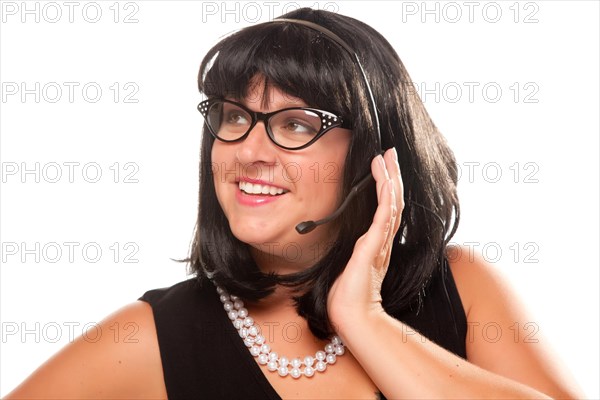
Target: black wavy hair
302	62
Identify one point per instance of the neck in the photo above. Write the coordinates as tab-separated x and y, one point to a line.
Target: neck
281	264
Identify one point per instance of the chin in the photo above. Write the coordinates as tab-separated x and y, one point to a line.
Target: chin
258	233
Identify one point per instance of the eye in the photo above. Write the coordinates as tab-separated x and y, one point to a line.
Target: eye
235	117
299	126
296	123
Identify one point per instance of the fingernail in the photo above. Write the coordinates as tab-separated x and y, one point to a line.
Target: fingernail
381	161
395	154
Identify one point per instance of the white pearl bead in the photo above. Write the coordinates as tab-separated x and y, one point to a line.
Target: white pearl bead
309	361
309	371
255	350
263	359
272	366
321	366
296	363
265	348
295	373
255	341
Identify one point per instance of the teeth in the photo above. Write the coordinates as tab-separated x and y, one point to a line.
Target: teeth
255	188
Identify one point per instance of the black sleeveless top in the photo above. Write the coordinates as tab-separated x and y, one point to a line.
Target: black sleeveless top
203	357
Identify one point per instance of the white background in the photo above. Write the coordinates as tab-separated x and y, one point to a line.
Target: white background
547	213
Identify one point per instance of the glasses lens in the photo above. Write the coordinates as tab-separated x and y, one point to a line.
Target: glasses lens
295	128
228	121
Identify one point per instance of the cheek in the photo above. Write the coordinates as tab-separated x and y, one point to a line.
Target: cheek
217	165
327	178
337	171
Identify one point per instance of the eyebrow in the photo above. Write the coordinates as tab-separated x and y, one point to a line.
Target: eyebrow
292	102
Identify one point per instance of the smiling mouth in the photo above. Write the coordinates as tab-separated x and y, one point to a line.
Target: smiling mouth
257	189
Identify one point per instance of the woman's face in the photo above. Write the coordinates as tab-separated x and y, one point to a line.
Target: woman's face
311	180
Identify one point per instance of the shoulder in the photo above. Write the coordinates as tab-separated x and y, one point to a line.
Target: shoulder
180	304
486	293
177	292
121	361
502	336
477	280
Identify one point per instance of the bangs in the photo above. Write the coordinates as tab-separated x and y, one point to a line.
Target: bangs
297	60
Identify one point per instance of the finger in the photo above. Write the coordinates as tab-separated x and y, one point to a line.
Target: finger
393	172
387	225
393	168
389	242
374	240
380	174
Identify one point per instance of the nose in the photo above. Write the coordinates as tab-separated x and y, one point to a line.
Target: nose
256	147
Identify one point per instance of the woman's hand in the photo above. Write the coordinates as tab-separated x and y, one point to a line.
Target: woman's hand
356	294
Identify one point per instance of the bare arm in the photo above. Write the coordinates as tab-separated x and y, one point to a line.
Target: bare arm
109	369
406	365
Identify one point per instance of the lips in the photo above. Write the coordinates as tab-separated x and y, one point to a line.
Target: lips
257	193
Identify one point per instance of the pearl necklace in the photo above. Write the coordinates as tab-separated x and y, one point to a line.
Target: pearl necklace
258	348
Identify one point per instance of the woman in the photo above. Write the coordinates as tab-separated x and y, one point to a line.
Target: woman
376	302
